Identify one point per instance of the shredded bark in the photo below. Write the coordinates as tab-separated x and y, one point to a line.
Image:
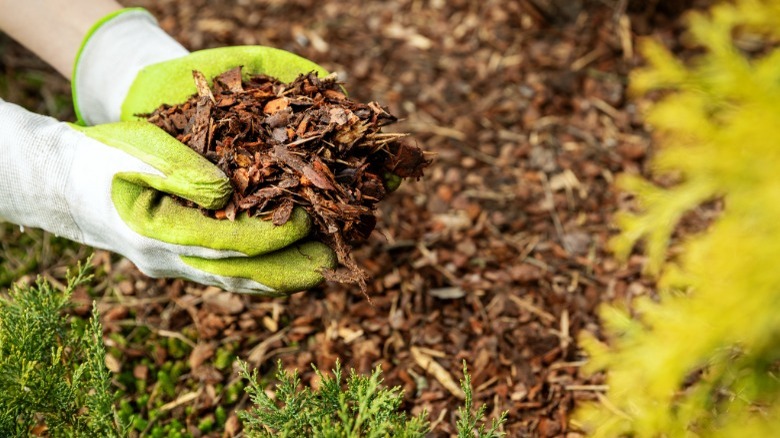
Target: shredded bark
304	144
499	256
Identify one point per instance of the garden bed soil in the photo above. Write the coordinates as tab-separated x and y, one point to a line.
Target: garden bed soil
497	257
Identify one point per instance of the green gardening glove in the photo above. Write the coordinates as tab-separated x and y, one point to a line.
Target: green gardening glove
128	66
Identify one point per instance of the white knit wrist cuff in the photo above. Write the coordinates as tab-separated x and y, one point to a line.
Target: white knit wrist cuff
35	165
111	56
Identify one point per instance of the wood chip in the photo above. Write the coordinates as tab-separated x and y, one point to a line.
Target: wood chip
202	85
447	293
201	353
201	125
231	80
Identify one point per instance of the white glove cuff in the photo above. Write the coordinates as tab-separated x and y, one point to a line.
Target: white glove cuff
112	54
35	164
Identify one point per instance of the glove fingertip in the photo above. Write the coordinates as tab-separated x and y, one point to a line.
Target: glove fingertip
212	195
292	269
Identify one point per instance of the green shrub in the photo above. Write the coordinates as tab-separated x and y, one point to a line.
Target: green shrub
363	409
702	360
469	421
53	378
52	372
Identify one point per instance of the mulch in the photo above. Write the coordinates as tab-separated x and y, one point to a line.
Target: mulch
300	144
497	256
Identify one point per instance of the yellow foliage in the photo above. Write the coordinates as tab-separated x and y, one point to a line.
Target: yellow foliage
702	360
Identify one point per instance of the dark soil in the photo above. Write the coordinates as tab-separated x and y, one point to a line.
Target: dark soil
497	257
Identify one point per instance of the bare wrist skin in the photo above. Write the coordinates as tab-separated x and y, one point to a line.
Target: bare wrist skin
53	30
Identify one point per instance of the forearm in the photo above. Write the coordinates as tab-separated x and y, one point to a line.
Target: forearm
53	29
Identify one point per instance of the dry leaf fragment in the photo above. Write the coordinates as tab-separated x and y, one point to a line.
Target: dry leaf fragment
241	179
437	371
179	120
258	354
242	160
201	353
223	303
141	372
39	430
112	363
409	161
226	100
232	426
283	212
339	116
231	210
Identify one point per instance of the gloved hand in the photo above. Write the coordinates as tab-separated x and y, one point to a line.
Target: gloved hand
106	185
102	186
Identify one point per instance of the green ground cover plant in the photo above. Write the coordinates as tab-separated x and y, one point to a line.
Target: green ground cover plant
52	371
364	409
54	381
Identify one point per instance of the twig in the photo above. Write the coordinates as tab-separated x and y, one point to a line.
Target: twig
184	399
523	304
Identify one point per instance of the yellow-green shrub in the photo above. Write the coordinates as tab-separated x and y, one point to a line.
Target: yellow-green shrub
703	359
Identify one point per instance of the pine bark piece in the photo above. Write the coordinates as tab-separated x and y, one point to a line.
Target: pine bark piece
303	143
318	179
230	80
201	126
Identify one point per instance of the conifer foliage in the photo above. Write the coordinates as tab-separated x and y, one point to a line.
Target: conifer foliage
702	360
364	409
53	379
54	382
360	407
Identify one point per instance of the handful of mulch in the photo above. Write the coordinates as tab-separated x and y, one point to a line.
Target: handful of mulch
298	144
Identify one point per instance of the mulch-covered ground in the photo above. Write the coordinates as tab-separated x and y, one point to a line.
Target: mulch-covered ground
497	256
